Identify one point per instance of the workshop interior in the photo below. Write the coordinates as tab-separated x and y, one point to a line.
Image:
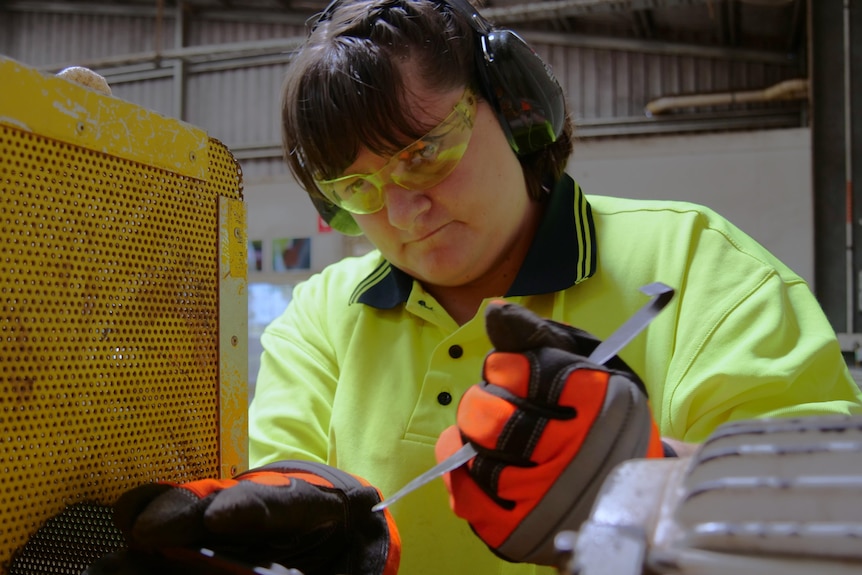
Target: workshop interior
147	239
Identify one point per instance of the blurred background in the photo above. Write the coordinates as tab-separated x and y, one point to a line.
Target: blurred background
746	106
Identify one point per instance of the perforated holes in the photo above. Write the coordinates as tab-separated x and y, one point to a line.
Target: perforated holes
108	326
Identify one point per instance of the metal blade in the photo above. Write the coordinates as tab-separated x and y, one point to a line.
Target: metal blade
608	348
452	462
662	294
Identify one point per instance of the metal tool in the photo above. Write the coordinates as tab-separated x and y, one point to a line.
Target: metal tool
451	463
661	295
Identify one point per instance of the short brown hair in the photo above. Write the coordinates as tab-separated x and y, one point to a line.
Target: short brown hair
344	90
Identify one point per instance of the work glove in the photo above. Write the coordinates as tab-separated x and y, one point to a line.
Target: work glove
548	426
290	514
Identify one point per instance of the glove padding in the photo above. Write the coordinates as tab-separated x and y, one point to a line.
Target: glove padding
549	426
302	515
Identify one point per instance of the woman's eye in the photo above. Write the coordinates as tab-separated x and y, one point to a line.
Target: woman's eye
423	152
430	151
354	187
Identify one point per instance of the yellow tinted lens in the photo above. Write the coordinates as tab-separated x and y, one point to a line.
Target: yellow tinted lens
425	173
421	165
430	160
357	194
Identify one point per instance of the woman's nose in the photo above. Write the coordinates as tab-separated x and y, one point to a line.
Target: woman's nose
404	206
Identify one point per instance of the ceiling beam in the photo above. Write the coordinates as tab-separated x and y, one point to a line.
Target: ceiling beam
731	14
644	24
113	9
658	47
554	9
797	27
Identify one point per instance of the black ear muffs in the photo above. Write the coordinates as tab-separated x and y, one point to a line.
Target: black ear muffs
526	96
519	85
336	218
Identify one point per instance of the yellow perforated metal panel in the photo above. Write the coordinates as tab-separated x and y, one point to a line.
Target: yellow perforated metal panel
122	302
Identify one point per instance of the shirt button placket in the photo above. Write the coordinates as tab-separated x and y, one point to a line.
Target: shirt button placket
444	397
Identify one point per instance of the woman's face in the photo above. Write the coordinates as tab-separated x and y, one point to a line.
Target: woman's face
466	228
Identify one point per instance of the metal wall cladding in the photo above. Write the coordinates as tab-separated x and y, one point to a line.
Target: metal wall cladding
608	87
44	39
234	92
239	106
155	94
260	169
224	31
238	99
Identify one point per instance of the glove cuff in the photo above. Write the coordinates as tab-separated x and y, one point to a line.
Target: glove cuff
315	473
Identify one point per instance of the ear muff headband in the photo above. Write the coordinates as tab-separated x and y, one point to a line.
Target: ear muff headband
522	90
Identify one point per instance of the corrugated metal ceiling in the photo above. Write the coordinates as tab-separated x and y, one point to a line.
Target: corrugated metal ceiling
616	59
765	25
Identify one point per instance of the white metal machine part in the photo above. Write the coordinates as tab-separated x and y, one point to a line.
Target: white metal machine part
760	497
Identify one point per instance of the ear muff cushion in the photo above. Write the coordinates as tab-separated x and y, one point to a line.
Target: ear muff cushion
529	101
338	219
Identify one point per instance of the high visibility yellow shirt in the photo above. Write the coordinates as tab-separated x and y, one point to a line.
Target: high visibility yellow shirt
365	369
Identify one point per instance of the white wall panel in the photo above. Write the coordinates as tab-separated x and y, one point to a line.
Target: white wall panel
278	208
760	181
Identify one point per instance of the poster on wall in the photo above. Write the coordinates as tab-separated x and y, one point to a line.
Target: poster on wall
291	254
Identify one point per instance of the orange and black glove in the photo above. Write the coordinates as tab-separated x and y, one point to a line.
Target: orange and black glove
548	425
295	514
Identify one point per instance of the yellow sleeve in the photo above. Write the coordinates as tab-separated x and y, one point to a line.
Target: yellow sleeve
772	353
292	405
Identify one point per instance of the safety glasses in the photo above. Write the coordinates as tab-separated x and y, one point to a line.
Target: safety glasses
421	165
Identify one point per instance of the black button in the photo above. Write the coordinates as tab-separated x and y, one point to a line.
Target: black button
456	351
444	398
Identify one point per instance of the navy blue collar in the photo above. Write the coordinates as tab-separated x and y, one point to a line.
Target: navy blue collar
563	253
